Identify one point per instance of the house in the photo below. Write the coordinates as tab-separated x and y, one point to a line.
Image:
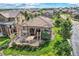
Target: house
29	32
48	13
7	22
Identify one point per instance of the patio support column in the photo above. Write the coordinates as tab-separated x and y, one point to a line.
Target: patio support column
34	31
12	30
7	31
0	28
37	35
40	34
17	30
28	31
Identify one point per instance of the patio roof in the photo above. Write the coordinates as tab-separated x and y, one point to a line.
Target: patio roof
40	21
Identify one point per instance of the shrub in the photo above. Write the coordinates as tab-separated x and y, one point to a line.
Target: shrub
57	23
45	36
65	29
62	48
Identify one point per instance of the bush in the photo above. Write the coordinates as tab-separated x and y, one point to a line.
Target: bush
57	23
62	48
65	29
45	36
23	47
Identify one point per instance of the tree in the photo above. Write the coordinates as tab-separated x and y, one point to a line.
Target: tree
58	22
57	14
27	15
65	29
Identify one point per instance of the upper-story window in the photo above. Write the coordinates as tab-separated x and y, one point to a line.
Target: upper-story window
22	21
17	19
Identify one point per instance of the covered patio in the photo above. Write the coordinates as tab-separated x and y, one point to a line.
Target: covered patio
30	32
32	37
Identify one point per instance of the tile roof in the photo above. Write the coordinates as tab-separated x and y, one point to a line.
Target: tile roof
9	14
39	21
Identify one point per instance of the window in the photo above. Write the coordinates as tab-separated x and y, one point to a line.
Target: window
24	28
17	19
22	21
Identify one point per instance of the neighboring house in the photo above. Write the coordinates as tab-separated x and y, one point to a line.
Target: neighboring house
27	32
7	22
48	13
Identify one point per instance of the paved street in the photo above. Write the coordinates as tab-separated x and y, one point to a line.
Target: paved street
75	38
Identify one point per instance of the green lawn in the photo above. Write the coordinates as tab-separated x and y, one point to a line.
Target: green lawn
44	51
56	29
4	40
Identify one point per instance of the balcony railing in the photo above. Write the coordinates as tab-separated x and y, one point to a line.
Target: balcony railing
7	23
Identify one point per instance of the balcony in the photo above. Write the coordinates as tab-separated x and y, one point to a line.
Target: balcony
7	23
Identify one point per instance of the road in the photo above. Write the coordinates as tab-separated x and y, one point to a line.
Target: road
75	38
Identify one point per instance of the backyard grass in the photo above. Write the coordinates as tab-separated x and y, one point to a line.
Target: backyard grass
56	29
4	40
44	51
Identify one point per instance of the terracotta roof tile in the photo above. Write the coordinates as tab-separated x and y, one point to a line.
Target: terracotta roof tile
39	21
9	14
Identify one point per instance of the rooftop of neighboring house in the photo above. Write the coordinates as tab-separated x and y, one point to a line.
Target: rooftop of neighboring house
40	21
9	14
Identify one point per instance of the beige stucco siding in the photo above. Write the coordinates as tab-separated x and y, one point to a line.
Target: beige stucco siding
19	18
18	21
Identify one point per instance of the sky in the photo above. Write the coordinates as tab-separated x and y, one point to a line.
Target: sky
35	5
11	4
39	1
